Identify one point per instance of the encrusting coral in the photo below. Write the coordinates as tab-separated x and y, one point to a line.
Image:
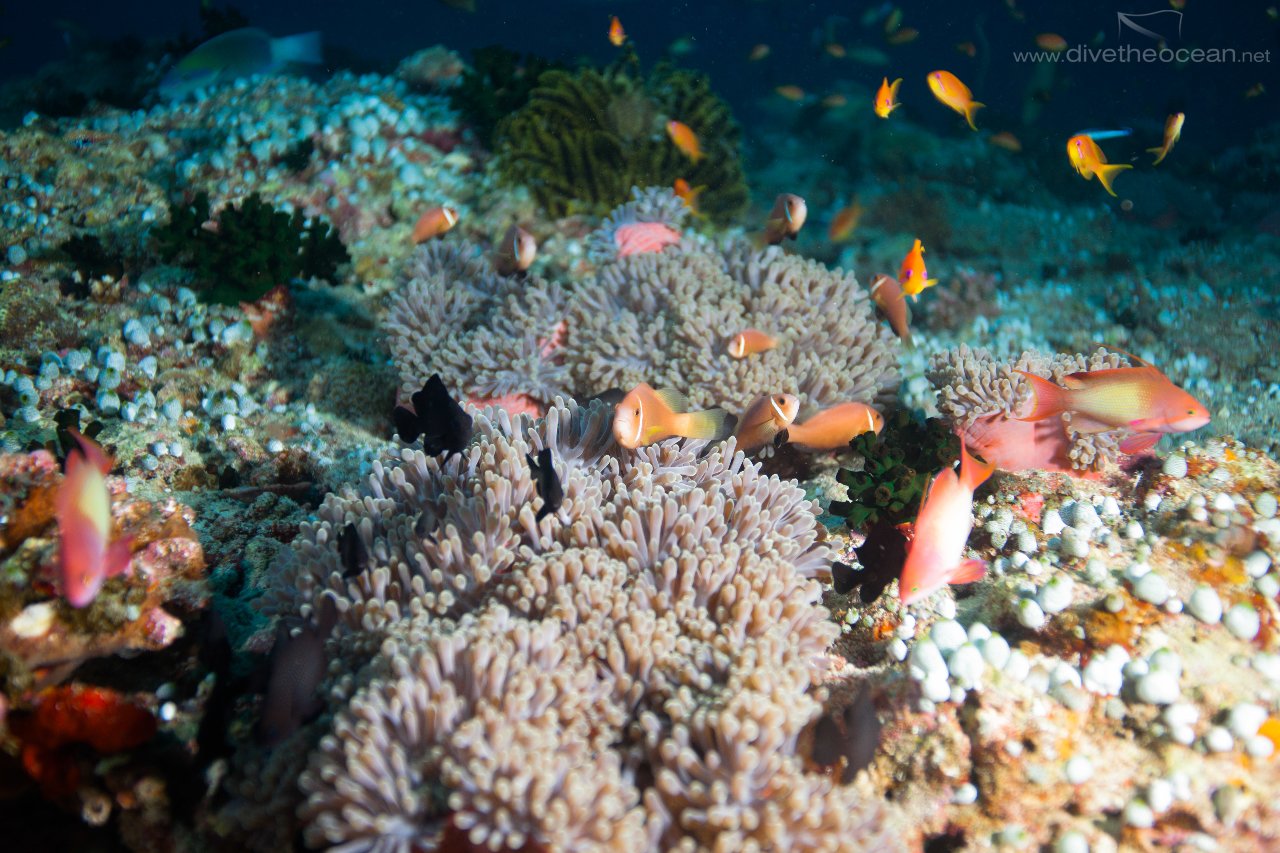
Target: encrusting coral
984	397
664	318
632	673
586	137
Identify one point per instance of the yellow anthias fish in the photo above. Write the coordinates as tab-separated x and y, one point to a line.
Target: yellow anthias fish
645	416
948	89
887	97
1172	133
1089	161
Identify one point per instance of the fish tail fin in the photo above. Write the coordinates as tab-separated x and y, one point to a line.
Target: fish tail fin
1107	173
1159	152
119	556
1049	399
972	472
304	48
969	571
710	424
973	107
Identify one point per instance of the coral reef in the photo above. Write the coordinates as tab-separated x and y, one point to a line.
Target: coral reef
247	250
585	138
896	467
497	84
635	671
983	398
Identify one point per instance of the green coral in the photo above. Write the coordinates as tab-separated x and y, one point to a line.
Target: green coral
587	137
898	466
497	84
253	248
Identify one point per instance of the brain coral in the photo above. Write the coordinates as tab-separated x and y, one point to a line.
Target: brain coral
662	318
632	673
983	397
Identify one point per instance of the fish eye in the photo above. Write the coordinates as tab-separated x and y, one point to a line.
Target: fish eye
636	411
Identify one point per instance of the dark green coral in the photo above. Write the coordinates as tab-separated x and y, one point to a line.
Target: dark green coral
498	83
587	137
898	466
253	248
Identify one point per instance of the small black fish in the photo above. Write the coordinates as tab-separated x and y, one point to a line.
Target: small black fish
609	396
843	578
549	488
882	555
295	668
443	424
850	737
355	557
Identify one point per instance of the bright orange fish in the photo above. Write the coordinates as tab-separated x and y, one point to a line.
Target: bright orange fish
750	342
948	89
685	139
765	417
516	252
1141	399
688	195
790	92
83	508
887	97
1172	133
1051	42
1006	140
904	36
786	219
887	294
645	416
935	555
433	223
616	34
1089	161
845	222
913	277
834	428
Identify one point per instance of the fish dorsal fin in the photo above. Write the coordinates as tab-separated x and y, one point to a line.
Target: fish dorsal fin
1137	361
672	399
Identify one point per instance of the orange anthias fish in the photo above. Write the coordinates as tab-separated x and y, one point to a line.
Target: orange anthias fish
516	252
750	342
683	137
688	195
1172	133
905	35
1089	161
887	294
616	34
1006	140
645	416
790	92
935	555
913	278
845	222
786	219
433	223
834	428
765	417
948	89
87	554
1140	399
1051	42
887	97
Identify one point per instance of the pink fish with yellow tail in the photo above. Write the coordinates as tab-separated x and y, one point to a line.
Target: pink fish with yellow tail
1140	399
645	416
834	428
83	505
935	555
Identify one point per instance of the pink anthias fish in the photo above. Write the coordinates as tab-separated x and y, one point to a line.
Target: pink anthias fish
1140	399
87	554
935	556
638	238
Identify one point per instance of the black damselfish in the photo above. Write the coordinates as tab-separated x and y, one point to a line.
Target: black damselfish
549	488
355	557
443	424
